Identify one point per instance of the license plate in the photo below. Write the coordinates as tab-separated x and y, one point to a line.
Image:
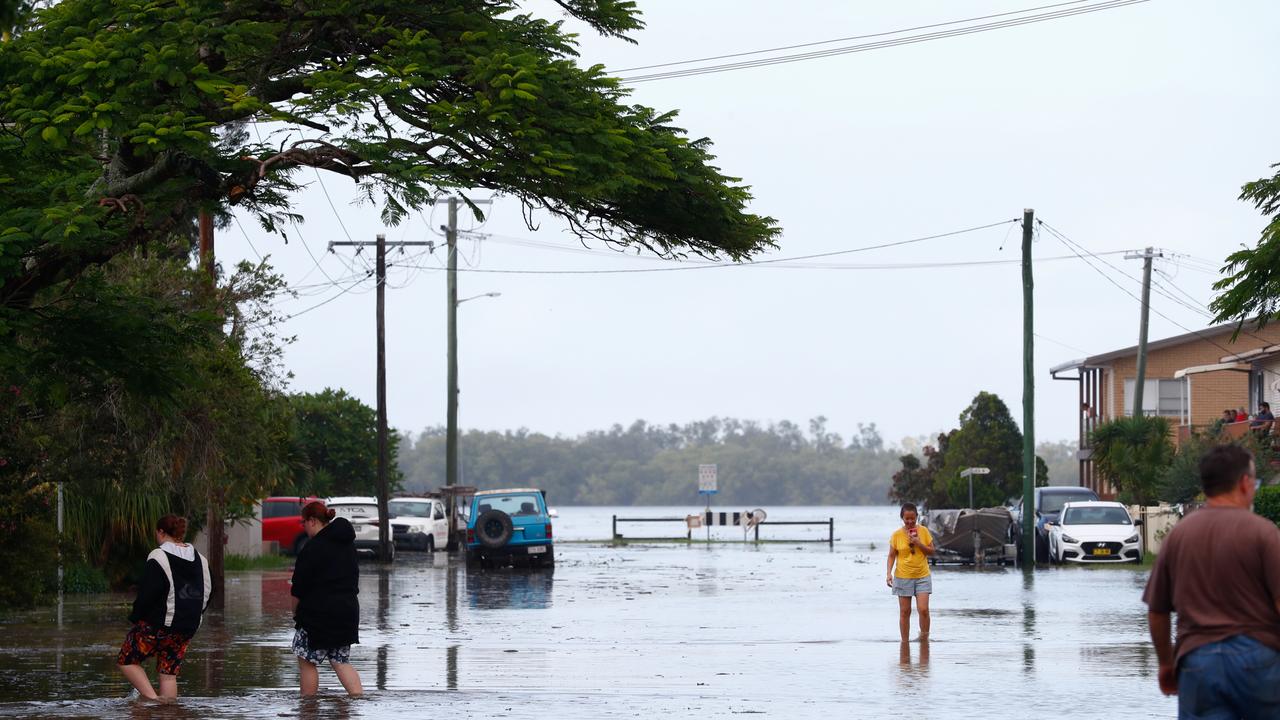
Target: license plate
537	549
1102	551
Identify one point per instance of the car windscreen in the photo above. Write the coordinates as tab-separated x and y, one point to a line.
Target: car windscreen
410	508
1096	516
1053	502
515	504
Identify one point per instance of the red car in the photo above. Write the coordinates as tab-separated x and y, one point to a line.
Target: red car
282	522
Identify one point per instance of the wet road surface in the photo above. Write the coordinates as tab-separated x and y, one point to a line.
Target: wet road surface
784	630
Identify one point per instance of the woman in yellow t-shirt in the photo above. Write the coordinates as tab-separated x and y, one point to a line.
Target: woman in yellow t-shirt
909	549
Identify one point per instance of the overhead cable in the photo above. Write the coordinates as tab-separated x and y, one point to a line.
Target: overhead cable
904	39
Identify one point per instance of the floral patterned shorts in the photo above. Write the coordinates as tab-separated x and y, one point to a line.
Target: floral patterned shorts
145	640
316	656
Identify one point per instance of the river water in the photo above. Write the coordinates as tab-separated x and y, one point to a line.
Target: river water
786	629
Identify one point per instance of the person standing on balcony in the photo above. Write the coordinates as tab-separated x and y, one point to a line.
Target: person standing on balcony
326	609
1263	421
1219	570
907	572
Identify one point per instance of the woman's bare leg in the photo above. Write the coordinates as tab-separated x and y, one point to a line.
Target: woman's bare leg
904	617
922	607
349	678
308	678
137	676
168	686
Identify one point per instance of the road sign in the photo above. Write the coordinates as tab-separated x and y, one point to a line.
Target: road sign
975	471
707	480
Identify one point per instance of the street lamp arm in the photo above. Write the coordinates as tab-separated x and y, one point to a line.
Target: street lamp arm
477	297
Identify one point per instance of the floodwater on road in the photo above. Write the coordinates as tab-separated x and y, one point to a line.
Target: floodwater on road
786	630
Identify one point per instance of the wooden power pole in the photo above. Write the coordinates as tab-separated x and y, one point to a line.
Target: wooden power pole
1139	384
1028	399
385	544
214	520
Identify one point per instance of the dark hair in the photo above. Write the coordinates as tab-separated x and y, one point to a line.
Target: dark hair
1222	467
906	507
1266	405
175	526
316	509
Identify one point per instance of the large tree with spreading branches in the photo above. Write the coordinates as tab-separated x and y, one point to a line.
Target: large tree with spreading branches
122	121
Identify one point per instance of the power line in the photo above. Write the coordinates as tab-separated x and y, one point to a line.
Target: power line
1068	242
749	263
844	39
1026	19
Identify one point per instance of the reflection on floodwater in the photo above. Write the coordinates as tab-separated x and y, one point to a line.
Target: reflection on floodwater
798	631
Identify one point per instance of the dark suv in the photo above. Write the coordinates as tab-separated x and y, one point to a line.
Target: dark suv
1049	502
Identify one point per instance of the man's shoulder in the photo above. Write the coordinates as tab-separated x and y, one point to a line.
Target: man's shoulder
1209	519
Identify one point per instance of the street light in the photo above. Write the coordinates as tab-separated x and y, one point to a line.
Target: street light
451	420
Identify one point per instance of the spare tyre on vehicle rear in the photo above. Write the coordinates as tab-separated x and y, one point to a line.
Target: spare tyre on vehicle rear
494	529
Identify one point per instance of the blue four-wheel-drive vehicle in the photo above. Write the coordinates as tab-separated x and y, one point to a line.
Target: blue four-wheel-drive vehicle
509	526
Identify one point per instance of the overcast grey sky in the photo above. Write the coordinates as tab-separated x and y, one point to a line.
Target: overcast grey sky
1123	128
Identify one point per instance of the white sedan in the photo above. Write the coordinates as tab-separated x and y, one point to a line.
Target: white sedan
1094	531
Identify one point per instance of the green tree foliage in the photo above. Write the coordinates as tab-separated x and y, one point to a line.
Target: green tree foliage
917	482
1181	481
1135	454
337	443
130	443
121	119
1251	288
987	437
1267	503
644	464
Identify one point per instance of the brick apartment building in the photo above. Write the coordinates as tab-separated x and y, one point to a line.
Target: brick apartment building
1190	379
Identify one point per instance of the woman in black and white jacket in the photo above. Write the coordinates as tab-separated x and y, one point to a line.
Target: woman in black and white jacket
172	597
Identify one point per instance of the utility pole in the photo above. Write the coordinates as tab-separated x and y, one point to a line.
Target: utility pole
385	546
451	422
1140	382
214	520
1028	400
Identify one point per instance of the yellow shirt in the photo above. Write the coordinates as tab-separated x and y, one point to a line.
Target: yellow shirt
910	565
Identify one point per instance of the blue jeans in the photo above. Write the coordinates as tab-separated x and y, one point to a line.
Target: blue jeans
1234	678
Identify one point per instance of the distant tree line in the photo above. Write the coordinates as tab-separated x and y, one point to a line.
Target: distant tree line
643	464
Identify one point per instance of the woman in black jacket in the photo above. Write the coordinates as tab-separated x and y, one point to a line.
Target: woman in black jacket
326	611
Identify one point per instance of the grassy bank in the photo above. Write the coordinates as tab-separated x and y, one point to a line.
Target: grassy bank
240	563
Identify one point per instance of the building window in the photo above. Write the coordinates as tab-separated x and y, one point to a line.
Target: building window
1159	397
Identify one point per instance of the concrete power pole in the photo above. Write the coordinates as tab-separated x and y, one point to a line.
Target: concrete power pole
385	547
1028	400
1140	381
451	423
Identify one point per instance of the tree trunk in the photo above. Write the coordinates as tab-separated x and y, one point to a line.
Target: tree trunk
217	536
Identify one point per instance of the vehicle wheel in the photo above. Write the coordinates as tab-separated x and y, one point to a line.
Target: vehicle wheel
473	559
1042	550
299	543
548	559
494	529
430	544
